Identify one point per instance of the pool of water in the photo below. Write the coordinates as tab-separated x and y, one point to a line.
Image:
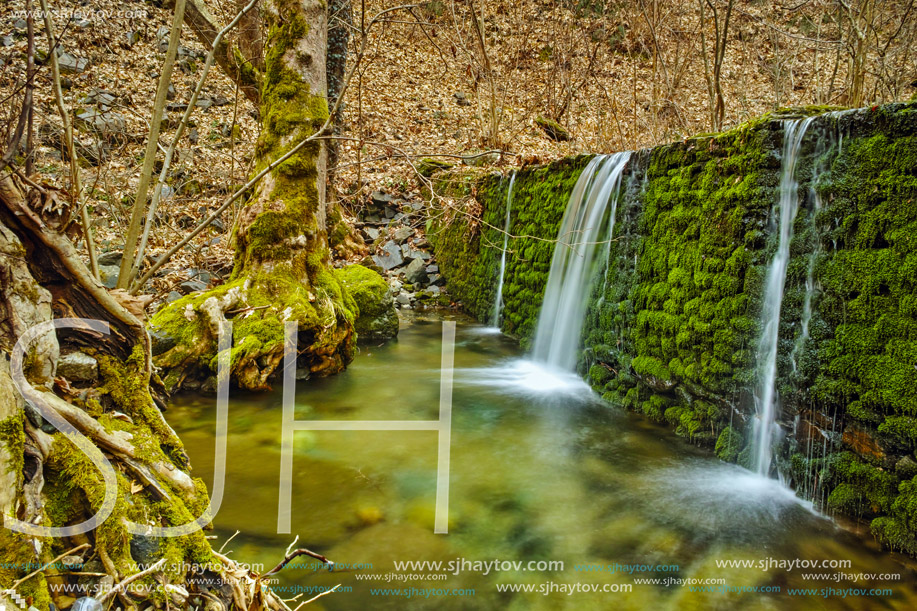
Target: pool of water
541	470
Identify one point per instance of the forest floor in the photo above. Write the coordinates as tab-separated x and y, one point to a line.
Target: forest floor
423	90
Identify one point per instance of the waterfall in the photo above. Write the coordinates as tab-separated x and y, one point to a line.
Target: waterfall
498	302
766	399
587	224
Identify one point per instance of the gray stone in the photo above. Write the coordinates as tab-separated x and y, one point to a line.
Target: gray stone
390	213
192	286
78	367
21	25
389	256
105	122
435	279
160	341
409	252
133	37
461	99
86	604
415	272
403	298
434	290
371	232
82	23
380	199
108	274
112	257
176	106
173	296
144	550
403	233
6	41
219	100
70	64
204	103
432	269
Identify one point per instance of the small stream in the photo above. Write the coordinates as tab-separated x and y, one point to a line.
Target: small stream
541	470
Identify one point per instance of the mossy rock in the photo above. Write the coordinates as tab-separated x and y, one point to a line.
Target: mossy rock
377	318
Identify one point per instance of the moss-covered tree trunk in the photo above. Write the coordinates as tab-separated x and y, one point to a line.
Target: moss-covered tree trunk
282	262
100	385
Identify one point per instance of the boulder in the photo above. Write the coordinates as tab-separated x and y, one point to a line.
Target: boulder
377	318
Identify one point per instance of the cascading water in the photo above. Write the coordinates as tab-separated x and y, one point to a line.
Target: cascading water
588	222
498	302
766	399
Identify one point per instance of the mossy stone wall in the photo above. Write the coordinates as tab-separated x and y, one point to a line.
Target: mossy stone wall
673	326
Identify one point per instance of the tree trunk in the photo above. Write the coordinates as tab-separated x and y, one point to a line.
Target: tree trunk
49	480
282	261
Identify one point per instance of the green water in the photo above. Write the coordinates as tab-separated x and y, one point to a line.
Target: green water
535	476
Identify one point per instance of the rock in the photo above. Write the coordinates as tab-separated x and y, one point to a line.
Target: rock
170	92
78	367
160	341
434	290
108	274
906	468
435	279
396	285
176	106
204	103
105	122
112	257
402	233
6	41
389	256
403	298
21	26
863	442
193	136
218	225
173	296
86	604
144	550
303	373
415	272
133	37
461	99
390	212
192	286
70	64
81	23
371	233
432	269
219	101
380	199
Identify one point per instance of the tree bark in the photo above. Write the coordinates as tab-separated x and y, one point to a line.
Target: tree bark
282	259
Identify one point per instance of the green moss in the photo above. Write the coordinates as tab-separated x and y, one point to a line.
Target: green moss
375	309
12	436
728	445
